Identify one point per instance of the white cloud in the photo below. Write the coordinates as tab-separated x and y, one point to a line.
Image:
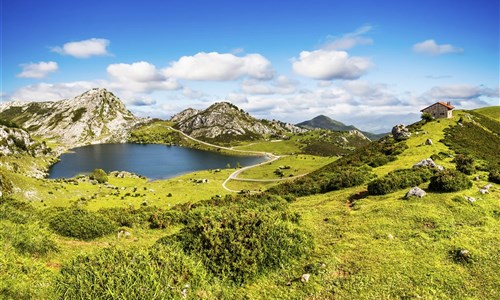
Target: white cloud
85	48
330	64
140	77
220	67
349	40
430	47
52	92
192	94
280	85
38	70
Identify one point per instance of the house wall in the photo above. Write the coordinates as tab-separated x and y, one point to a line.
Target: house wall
438	111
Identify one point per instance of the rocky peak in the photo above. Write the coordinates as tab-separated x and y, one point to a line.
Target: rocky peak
225	121
96	116
185	114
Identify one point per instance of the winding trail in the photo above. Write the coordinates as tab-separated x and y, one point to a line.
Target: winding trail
234	175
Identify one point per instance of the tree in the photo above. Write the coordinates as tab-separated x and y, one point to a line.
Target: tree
99	175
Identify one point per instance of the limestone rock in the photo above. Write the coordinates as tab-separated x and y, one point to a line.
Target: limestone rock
428	142
305	277
224	119
429	163
96	116
416	191
400	132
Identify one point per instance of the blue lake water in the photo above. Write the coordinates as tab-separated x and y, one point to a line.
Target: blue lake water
151	160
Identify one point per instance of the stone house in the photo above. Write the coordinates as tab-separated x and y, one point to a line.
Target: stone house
440	110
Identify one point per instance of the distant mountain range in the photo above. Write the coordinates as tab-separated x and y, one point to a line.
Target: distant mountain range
324	122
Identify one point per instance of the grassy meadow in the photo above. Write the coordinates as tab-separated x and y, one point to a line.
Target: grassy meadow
180	239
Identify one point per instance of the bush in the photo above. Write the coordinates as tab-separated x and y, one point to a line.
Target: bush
449	181
81	224
494	175
159	272
427	117
465	164
399	179
99	175
29	239
238	240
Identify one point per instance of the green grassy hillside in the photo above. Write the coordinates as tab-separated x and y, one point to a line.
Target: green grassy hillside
322	236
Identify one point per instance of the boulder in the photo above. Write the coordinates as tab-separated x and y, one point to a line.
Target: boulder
416	191
400	132
305	277
429	163
470	199
428	142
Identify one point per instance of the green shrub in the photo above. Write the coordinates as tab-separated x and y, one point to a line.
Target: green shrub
238	240
159	272
79	223
99	175
399	179
465	164
494	175
427	117
449	181
29	238
16	211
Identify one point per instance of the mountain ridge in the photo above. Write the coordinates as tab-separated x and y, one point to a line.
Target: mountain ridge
325	122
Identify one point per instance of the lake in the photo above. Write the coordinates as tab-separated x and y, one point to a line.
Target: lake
150	160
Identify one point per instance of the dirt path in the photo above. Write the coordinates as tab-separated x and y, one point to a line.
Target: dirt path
234	175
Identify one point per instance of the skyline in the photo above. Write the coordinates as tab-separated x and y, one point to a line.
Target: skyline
371	65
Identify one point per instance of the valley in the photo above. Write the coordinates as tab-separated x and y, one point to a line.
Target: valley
331	205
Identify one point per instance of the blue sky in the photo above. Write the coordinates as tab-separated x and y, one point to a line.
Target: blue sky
368	63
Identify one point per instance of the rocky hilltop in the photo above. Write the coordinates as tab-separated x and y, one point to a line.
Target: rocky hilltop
96	116
324	122
224	121
15	140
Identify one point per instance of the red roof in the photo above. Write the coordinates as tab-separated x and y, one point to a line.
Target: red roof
448	106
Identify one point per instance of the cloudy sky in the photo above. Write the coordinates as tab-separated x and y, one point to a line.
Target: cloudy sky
368	63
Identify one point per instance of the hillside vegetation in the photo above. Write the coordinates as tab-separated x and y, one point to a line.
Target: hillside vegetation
326	235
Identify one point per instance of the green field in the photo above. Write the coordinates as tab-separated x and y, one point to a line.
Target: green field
198	239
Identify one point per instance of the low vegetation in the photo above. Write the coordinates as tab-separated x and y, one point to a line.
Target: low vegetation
449	181
399	179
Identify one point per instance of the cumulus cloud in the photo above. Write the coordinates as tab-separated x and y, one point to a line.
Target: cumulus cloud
140	77
461	92
38	70
192	94
216	66
330	64
280	85
52	92
85	48
349	40
430	47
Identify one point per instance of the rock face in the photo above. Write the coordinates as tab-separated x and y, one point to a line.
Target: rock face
400	132
225	121
18	141
429	163
416	192
96	116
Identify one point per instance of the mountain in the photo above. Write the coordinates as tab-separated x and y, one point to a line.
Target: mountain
324	122
14	140
96	116
224	122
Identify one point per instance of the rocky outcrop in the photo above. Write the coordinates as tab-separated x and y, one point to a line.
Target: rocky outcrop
400	132
96	116
18	141
415	192
429	163
225	121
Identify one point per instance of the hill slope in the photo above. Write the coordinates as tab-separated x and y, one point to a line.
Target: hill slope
224	122
96	116
324	122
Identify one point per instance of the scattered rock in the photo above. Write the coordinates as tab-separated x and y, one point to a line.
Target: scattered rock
416	191
390	236
483	191
477	178
470	199
123	233
305	277
400	132
428	162
428	142
488	186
